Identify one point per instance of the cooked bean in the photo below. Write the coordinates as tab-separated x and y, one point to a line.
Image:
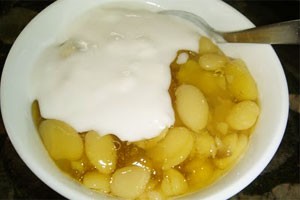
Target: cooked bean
207	46
227	162
129	182
229	143
205	145
97	181
173	149
199	172
192	107
222	127
173	183
61	140
101	151
146	144
210	83
243	115
212	62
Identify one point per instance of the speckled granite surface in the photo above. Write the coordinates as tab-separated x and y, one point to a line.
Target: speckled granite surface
279	180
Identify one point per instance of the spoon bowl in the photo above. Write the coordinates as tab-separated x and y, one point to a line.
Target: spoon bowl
278	33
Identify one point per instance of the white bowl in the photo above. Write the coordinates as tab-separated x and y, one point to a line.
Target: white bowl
261	60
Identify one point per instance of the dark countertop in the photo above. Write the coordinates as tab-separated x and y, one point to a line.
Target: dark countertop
279	180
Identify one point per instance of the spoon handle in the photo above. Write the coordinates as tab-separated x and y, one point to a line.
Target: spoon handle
279	33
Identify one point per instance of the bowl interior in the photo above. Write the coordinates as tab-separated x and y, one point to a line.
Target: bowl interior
43	30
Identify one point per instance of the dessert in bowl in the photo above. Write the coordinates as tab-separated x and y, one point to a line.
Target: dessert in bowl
263	142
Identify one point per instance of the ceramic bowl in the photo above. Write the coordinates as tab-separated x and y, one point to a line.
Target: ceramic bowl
262	62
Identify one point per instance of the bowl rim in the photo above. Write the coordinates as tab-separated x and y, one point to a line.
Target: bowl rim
66	191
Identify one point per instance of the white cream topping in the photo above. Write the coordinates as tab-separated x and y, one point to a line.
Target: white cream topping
118	80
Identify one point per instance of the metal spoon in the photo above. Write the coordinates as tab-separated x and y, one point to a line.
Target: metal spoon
278	33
